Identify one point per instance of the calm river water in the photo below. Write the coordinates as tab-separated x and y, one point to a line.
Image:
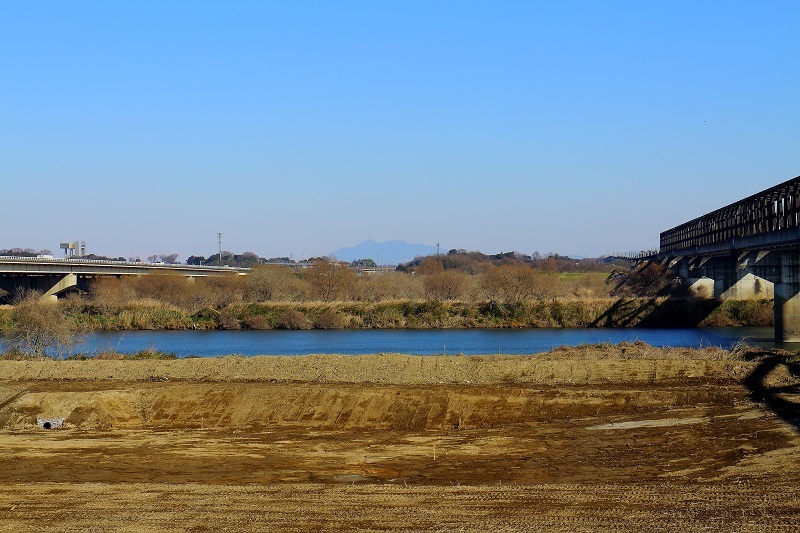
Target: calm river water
419	342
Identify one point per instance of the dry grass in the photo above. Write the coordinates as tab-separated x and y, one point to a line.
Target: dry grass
568	311
505	296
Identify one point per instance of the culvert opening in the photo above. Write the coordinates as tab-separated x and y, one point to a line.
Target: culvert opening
49	423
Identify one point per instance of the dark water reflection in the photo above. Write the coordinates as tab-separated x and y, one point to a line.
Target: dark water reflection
420	342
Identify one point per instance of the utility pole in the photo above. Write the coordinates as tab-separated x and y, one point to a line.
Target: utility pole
219	240
437	248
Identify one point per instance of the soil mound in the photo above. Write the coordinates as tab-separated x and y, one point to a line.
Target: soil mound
625	364
615	438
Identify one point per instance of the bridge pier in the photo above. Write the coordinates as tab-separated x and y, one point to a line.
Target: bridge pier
50	285
724	278
781	270
68	281
735	280
700	287
693	276
786	268
751	275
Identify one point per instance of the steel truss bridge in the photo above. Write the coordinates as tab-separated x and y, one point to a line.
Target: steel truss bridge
769	220
738	247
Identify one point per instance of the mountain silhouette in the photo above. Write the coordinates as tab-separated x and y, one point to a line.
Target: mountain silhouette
384	253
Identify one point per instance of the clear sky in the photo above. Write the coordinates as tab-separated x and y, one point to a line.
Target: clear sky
578	127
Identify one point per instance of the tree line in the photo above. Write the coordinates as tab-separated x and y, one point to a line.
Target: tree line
435	293
327	281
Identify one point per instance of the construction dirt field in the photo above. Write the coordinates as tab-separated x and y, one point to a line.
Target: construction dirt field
610	438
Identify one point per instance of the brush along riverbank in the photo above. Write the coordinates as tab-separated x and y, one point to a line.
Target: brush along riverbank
422	314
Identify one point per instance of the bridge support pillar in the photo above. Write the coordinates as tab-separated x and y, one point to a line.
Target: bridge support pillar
70	280
693	276
742	286
736	279
787	297
725	275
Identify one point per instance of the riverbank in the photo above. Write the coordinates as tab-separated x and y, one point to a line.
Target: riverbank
626	437
627	363
420	314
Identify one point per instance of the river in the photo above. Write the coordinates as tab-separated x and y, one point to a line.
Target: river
418	342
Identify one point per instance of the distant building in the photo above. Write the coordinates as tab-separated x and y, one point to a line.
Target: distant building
74	249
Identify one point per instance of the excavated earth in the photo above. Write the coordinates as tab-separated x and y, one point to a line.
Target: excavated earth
625	438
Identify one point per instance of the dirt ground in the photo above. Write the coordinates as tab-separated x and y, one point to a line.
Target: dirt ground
625	438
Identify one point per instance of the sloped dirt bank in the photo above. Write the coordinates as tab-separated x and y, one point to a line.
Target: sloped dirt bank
626	363
581	439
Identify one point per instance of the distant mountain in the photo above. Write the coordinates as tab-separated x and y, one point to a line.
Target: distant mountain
384	253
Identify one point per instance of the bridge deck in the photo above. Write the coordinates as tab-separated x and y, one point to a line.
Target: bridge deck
44	266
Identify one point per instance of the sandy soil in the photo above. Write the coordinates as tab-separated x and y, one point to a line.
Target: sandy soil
614	438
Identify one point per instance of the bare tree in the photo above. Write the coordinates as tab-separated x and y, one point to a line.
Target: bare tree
170	288
40	329
512	283
447	285
387	286
430	265
270	283
217	291
329	281
110	293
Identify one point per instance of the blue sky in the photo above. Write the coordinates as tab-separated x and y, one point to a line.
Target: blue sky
303	127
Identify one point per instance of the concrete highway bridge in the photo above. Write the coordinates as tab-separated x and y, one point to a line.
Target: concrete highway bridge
53	277
748	248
